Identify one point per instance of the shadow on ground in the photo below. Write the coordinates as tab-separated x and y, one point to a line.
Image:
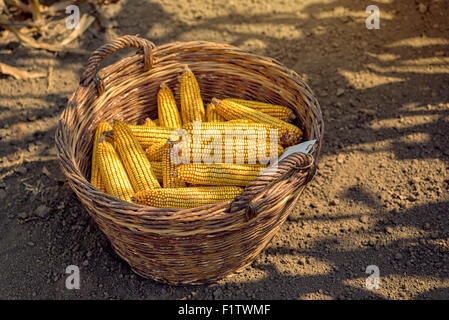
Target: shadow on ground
376	87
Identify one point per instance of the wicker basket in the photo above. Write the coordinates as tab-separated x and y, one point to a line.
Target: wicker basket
207	243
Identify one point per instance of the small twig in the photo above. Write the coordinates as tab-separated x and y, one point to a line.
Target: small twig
84	23
17	24
56	7
37	15
3	7
20	5
7	173
21	221
30	42
18	73
50	73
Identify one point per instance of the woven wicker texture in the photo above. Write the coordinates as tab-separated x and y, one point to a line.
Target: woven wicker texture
197	245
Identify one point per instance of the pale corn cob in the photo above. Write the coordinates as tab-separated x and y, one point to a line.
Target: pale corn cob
273	110
192	107
235	151
219	174
113	172
240	127
150	123
169	169
152	138
247	136
289	133
166	107
95	177
156	167
148	136
155	152
134	158
188	197
212	115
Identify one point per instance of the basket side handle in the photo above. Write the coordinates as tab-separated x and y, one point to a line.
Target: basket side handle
298	167
90	72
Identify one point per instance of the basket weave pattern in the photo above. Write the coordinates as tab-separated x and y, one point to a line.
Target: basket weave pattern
207	243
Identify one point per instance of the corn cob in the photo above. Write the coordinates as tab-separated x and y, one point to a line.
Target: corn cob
152	138
134	158
219	174
95	176
239	121
148	136
166	107
192	107
233	151
155	151
212	115
238	127
187	197
169	169
150	123
113	172
250	138
273	110
156	167
289	133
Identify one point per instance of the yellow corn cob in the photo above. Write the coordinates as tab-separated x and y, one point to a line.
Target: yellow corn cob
192	107
188	197
157	122
134	158
169	169
155	151
95	176
156	167
219	174
212	115
289	133
148	136
113	172
239	121
150	123
273	110
166	107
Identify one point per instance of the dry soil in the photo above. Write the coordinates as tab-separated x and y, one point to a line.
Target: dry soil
381	193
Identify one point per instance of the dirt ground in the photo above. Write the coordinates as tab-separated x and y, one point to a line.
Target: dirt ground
380	196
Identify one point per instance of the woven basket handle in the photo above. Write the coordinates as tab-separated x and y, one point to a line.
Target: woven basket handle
298	167
90	73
